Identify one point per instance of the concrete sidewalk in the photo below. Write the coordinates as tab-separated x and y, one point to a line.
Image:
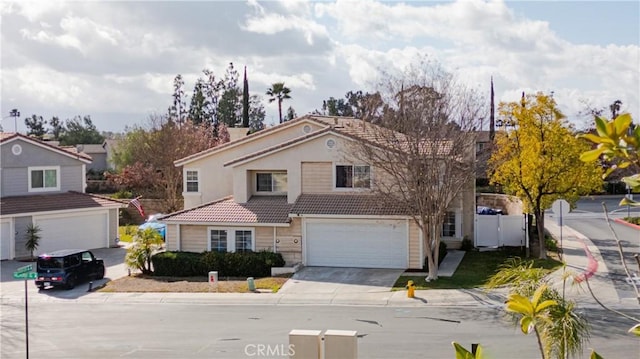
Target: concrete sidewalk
583	260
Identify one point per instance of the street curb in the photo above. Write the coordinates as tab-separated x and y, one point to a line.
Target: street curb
625	223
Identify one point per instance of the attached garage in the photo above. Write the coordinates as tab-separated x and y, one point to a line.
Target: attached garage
357	243
78	231
5	240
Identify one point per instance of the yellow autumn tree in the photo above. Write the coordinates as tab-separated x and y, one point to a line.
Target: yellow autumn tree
537	159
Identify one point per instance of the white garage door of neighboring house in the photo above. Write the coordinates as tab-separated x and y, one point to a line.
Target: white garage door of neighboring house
73	231
357	243
5	240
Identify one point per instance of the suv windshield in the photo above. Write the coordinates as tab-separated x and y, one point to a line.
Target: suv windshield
50	263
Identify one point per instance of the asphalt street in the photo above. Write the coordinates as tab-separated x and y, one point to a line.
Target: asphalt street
78	330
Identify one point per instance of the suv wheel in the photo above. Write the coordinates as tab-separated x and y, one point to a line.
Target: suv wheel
100	273
71	282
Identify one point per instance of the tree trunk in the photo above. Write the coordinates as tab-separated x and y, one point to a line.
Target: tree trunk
542	254
432	254
280	109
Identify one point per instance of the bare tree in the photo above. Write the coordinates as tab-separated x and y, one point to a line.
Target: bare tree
422	148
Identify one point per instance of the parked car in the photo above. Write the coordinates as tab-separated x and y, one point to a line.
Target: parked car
488	210
152	222
68	267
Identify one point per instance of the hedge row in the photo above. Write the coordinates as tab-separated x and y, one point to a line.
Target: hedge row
189	264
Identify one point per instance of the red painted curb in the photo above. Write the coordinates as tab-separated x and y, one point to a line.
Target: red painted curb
623	222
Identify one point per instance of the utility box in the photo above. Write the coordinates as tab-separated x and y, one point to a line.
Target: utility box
305	344
340	344
213	278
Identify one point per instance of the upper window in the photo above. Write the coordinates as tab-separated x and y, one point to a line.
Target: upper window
350	176
44	179
191	183
449	225
271	182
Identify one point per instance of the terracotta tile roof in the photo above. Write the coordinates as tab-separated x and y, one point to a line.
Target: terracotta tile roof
344	204
54	202
259	209
69	151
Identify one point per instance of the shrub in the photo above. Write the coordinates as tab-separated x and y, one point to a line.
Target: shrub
187	264
467	244
633	220
550	243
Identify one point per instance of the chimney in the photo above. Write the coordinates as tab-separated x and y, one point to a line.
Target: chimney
335	120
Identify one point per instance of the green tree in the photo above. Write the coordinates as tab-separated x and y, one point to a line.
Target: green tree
144	157
32	237
230	106
538	160
57	128
178	111
145	244
197	109
256	114
278	92
245	100
35	124
80	131
291	114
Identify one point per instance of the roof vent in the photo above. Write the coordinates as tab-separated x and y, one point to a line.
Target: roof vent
331	143
306	128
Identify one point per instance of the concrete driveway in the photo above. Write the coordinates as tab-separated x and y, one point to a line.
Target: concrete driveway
12	289
330	280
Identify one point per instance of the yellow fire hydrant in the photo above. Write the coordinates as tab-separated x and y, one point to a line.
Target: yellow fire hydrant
411	288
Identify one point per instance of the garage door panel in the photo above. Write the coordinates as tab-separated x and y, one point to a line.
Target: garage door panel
5	240
81	231
366	244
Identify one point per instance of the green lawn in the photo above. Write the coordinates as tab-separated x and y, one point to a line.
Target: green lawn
125	233
474	270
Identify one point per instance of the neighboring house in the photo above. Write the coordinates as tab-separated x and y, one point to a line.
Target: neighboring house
99	153
44	185
291	189
484	148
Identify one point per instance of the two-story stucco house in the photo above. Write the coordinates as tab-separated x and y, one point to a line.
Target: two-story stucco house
292	189
43	185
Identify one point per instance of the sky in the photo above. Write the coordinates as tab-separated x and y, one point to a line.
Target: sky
116	60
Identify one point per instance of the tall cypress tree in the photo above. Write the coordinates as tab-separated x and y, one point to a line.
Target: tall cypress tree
245	101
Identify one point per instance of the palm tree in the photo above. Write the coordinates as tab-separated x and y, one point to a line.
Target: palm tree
278	92
32	237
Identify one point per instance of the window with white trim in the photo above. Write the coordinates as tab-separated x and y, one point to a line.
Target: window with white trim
271	182
218	238
43	179
231	239
243	241
353	176
449	225
191	181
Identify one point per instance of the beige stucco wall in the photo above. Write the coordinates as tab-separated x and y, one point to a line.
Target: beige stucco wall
317	177
290	160
217	181
415	255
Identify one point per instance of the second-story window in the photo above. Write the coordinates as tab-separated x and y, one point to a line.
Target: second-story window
352	176
191	181
274	182
44	179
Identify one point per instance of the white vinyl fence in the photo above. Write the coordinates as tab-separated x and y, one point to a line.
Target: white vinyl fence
499	230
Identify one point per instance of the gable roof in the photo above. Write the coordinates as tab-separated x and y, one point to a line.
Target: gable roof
55	202
230	144
8	137
258	210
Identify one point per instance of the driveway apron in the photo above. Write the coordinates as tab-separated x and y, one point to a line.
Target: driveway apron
340	280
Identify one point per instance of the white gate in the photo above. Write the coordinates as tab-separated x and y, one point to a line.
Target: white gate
499	230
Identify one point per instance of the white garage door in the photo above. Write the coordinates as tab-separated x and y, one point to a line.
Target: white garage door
73	231
5	240
361	244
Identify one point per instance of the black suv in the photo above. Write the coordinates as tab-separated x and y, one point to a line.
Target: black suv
67	267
